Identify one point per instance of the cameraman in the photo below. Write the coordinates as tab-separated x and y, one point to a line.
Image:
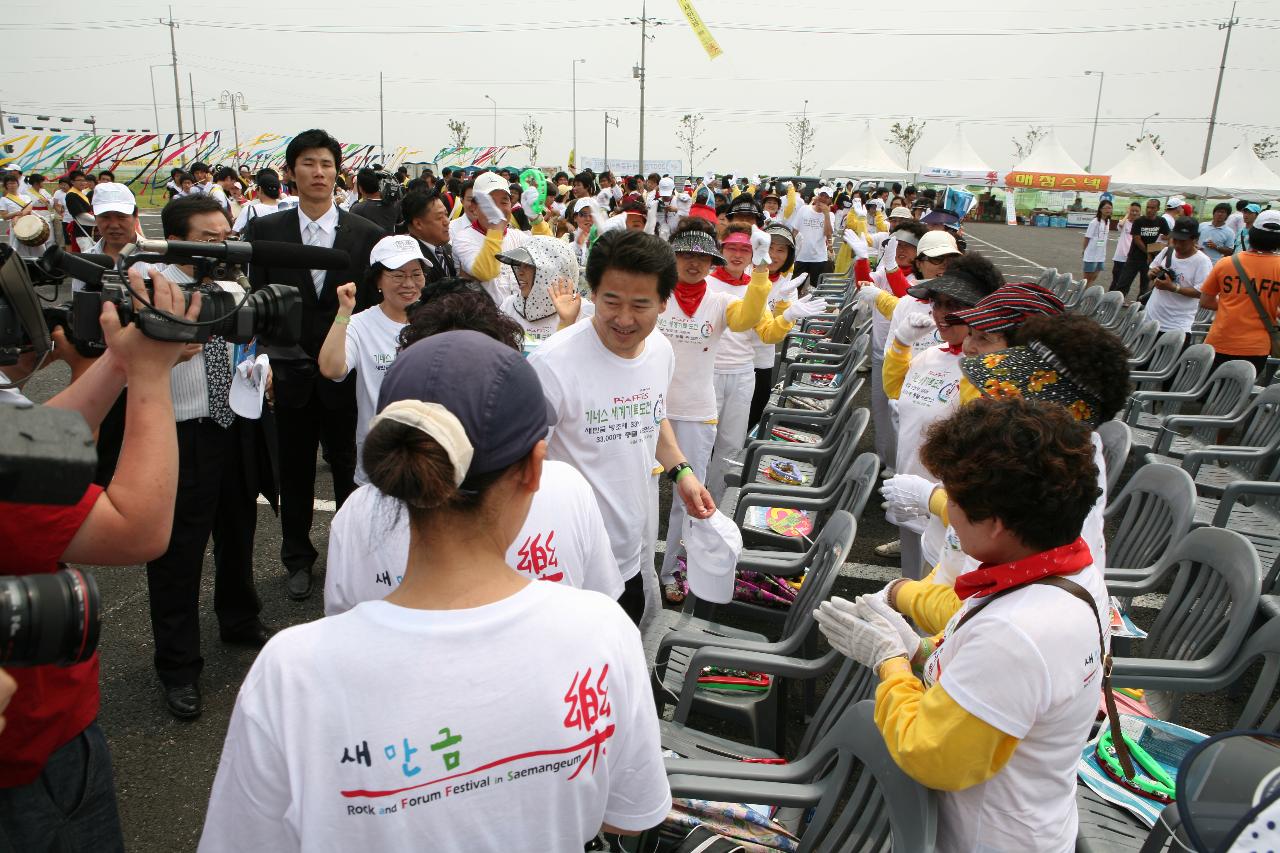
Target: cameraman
385	213
1176	277
56	787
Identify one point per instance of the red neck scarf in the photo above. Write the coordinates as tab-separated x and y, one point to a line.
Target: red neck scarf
689	296
475	223
989	578
774	276
953	349
722	274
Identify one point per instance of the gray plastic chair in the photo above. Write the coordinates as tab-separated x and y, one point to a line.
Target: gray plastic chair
680	645
839	436
1109	309
1160	358
1075	289
1116	439
1214	466
1088	302
1139	336
847	489
1206	616
1252	509
1187	371
860	799
1224	396
1151	515
1048	279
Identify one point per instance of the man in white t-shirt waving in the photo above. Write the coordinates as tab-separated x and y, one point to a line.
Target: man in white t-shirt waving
607	382
477	247
813	224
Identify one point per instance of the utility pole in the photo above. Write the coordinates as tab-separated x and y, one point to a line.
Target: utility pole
608	121
576	157
234	100
177	89
1213	115
638	71
382	131
1102	76
191	87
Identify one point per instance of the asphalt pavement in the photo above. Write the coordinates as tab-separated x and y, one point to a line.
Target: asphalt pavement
165	768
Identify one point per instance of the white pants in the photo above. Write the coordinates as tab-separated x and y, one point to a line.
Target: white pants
886	432
733	402
695	439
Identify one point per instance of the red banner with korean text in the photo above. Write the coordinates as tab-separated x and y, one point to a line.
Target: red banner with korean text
1054	181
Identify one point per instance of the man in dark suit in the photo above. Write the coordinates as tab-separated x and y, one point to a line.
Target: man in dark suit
427	219
310	411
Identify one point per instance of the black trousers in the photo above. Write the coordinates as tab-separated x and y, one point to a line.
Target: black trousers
301	432
213	499
760	397
815	269
1133	268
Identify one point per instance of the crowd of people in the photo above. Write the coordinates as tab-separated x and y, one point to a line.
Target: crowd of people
498	382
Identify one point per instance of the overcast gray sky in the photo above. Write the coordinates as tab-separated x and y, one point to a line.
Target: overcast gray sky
994	67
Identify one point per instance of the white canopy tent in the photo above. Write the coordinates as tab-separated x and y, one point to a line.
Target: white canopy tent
956	157
1240	175
1049	156
1145	171
866	158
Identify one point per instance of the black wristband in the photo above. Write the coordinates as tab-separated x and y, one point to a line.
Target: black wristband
674	473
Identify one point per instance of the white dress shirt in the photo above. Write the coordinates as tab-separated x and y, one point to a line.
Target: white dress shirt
319	232
188	384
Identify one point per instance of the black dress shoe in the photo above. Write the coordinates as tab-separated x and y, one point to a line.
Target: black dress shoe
300	584
254	634
183	700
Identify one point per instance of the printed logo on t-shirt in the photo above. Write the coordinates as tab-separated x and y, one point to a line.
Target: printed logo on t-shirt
538	557
383	360
627	420
688	330
930	388
588	712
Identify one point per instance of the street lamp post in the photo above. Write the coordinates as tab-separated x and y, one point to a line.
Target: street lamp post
608	121
1102	76
1142	130
495	127
234	101
575	109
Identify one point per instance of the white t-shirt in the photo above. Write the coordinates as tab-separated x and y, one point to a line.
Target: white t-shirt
1096	251
1235	222
219	195
563	540
811	242
373	339
60	200
537	331
524	724
930	391
1027	664
609	410
881	324
468	242
763	355
737	351
907	306
253	210
1124	239
694	340
1174	312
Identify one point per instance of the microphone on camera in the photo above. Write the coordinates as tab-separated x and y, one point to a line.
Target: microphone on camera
271	253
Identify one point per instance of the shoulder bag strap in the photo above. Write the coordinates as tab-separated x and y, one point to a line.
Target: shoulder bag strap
1075	589
1254	297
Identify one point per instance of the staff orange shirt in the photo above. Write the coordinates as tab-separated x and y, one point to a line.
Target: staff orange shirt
1237	329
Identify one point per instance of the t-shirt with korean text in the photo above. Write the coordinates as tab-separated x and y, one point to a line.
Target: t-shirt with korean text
563	540
930	392
524	724
694	340
608	413
373	340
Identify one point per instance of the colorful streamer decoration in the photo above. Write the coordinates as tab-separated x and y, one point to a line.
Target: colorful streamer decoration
705	38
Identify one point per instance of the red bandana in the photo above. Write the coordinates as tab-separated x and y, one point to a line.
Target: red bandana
774	276
988	579
689	296
950	349
722	274
475	223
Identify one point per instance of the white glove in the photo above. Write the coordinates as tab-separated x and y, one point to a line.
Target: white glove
759	247
889	255
870	606
527	200
916	328
709	178
788	186
856	243
809	306
493	215
869	641
799	280
868	293
859	208
754	180
908	494
651	217
790	289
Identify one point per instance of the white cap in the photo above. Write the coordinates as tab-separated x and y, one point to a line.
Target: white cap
113	198
1268	219
827	190
900	213
935	244
712	546
395	251
490	181
1174	201
666	187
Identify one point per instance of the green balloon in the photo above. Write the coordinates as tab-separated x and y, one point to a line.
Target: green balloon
539	181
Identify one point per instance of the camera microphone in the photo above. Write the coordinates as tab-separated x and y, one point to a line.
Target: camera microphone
271	253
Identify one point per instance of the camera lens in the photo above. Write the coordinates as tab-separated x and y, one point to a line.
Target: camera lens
48	619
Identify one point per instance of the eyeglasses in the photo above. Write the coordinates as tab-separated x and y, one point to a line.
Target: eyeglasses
398	278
